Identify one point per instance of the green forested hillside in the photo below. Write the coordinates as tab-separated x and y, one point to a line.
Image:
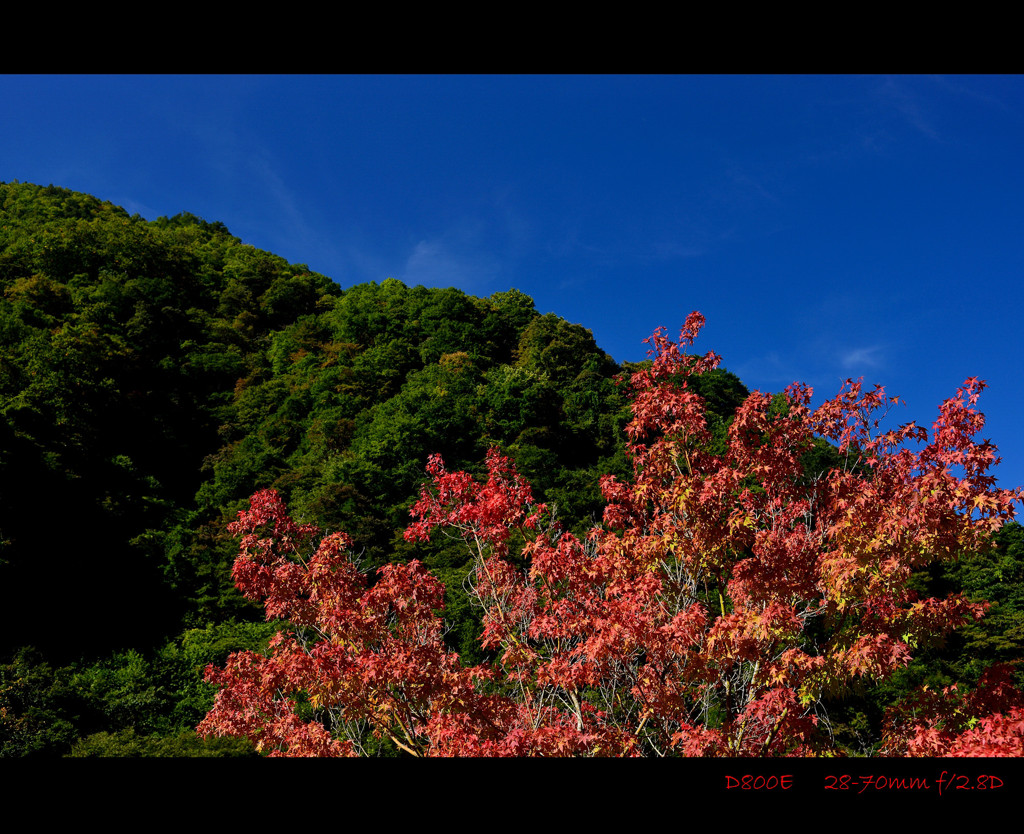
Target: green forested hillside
153	375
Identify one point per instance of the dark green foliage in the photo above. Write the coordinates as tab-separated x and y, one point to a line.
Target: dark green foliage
998	577
121	704
128	743
38	707
122	342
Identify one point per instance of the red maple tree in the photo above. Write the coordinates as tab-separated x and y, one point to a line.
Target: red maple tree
722	599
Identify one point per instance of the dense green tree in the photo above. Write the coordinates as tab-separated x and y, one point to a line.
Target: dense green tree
38	707
130	744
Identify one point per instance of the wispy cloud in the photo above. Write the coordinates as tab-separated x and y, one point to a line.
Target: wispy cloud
959	86
474	252
910	106
862	357
748	188
294	224
768	372
440	263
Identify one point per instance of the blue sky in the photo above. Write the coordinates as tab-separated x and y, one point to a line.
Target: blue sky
827	226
